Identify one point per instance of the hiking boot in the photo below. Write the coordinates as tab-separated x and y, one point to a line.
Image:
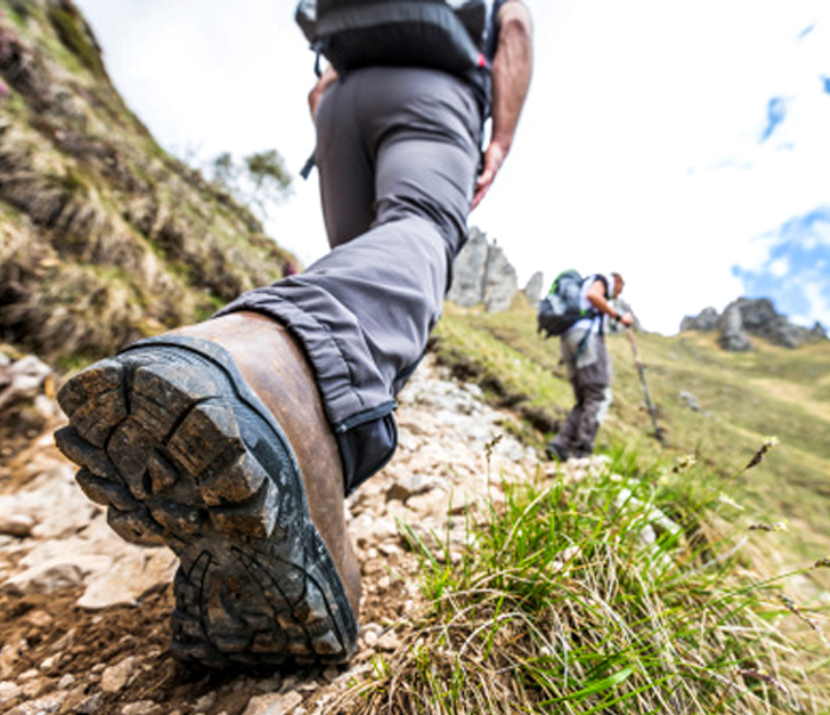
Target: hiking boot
555	452
213	440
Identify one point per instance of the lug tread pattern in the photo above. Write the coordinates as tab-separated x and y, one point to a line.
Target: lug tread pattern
158	434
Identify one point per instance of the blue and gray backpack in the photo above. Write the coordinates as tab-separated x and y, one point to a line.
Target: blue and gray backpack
559	309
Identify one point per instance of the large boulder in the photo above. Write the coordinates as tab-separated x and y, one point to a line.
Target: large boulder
732	335
534	287
706	321
470	270
482	274
500	283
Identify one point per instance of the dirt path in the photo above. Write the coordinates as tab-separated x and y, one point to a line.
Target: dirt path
84	616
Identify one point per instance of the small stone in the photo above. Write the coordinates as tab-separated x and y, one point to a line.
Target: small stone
270	685
290	683
50	662
384	582
28	675
33	688
19	525
66	640
44	579
91	706
142	707
389	642
8	691
52	703
117	677
203	704
39	619
273	704
66	682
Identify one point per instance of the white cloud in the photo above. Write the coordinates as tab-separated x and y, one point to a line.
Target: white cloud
818	296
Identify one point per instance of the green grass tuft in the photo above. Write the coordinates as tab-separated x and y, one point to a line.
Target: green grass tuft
587	597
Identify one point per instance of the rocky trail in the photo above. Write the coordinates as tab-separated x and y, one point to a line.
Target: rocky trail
84	615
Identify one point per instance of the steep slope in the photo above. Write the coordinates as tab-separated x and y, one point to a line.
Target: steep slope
103	236
715	405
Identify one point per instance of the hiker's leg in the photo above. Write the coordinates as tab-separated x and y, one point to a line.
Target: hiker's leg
562	445
594	380
364	312
566	439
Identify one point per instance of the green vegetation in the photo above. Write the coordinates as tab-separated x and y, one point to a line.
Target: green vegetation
635	590
86	189
18	11
680	578
743	397
259	181
73	35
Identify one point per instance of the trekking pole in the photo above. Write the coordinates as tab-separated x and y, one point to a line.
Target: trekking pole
658	432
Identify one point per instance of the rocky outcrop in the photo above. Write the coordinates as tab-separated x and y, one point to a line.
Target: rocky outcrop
707	320
482	274
732	334
756	317
534	287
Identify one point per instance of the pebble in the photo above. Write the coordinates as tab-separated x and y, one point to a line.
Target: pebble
8	691
28	675
273	704
50	662
19	525
204	703
143	707
117	677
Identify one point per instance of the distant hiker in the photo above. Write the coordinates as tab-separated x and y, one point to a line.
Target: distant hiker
235	441
589	367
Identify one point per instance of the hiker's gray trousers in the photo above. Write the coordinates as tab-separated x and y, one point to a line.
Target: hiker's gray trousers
589	370
397	152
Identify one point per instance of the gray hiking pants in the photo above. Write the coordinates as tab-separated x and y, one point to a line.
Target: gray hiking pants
589	370
397	150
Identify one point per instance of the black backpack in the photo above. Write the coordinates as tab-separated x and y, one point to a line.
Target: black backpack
559	309
442	34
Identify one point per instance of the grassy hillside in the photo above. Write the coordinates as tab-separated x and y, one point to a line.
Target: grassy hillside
744	399
686	577
103	236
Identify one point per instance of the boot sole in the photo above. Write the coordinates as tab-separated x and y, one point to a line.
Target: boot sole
169	437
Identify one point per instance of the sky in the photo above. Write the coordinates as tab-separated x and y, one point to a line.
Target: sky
682	143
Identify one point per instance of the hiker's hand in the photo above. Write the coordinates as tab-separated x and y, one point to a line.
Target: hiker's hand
316	94
493	159
627	319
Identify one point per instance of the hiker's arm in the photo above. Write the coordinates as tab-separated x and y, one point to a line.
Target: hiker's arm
596	297
512	68
316	94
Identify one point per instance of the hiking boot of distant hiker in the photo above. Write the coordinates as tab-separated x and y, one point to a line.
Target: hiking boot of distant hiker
555	452
212	440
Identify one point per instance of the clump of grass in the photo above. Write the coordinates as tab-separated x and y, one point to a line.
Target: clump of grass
588	598
75	36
